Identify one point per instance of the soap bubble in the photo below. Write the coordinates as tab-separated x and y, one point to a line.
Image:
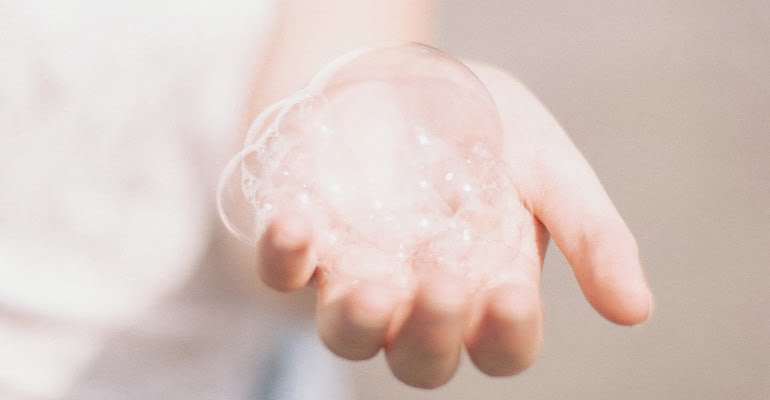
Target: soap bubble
393	154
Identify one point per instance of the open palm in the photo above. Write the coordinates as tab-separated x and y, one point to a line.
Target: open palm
423	327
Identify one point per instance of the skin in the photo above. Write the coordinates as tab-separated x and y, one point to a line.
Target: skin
310	33
307	35
423	332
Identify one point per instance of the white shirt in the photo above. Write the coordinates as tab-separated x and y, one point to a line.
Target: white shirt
115	120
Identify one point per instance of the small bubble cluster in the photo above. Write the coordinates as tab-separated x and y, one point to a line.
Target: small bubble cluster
393	155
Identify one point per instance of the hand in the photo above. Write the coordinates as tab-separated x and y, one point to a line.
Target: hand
422	331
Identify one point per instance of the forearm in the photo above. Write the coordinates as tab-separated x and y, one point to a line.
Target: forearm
310	33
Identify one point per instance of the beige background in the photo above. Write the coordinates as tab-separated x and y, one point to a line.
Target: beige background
670	102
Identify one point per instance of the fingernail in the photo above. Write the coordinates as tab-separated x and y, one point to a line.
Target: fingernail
652	307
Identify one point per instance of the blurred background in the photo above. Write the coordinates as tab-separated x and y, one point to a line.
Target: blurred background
670	103
669	100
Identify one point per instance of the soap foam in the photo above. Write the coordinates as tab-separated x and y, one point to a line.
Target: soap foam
394	156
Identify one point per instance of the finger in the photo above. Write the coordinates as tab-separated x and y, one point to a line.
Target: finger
425	351
585	225
564	193
507	337
284	259
353	321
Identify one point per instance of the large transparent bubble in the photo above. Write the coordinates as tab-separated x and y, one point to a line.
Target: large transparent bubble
393	155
